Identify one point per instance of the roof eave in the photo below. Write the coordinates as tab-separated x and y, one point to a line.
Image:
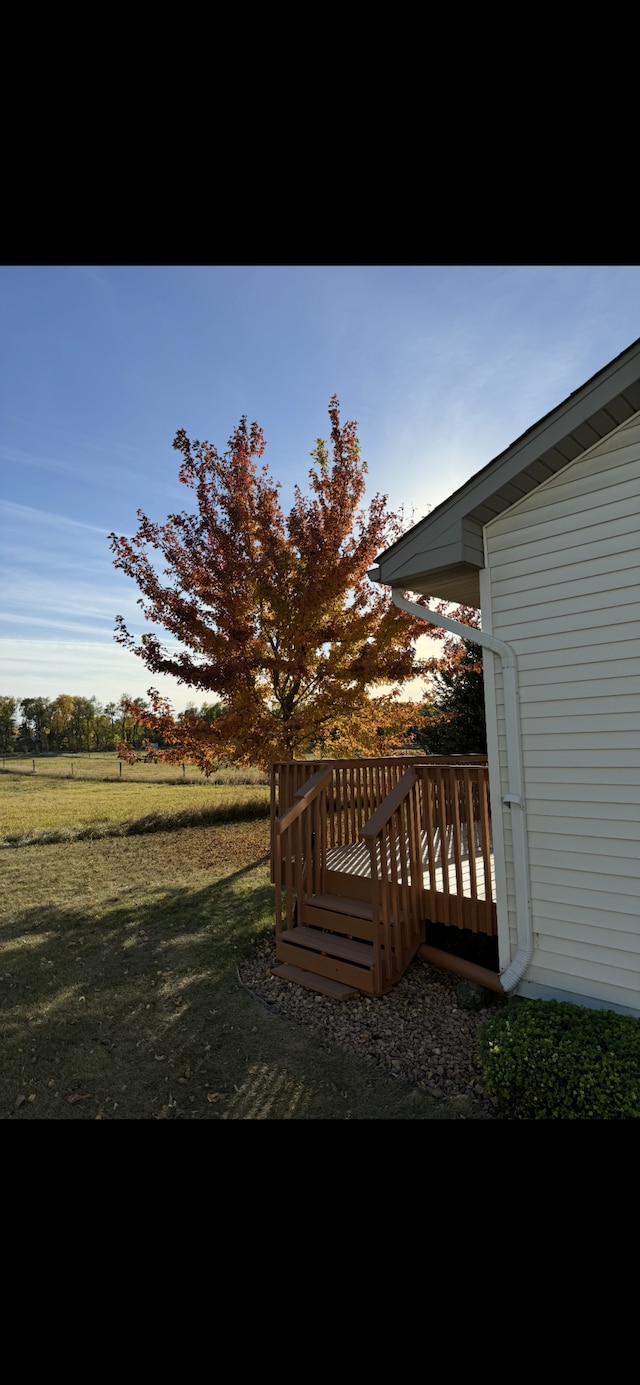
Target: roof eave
452	534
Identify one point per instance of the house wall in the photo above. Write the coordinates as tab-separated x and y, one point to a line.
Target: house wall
562	586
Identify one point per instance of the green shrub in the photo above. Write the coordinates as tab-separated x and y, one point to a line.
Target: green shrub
550	1060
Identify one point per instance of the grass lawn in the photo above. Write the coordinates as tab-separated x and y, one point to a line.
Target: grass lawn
30	804
120	997
105	765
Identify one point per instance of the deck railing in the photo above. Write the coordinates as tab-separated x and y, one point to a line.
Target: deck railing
457	846
358	787
301	848
452	813
393	838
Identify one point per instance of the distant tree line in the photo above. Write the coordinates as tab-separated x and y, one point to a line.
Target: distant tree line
450	720
41	725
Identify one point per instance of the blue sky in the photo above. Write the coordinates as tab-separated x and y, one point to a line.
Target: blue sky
442	367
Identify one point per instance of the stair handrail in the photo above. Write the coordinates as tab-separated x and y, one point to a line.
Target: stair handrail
304	796
382	814
309	838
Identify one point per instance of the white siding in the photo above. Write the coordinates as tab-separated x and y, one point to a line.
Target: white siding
562	587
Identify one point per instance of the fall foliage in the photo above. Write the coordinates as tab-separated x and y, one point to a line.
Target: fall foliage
8	708
273	615
68	723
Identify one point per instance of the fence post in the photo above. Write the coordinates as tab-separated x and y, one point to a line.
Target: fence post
183	771
121	769
34	766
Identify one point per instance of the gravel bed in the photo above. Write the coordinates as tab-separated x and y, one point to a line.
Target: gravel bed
419	1031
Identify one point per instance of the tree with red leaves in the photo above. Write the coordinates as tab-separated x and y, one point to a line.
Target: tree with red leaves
273	614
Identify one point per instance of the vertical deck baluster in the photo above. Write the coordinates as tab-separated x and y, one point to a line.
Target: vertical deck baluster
469	780
403	935
444	845
386	921
376	914
273	790
485	830
298	847
322	854
309	817
417	913
277	874
394	891
454	798
287	847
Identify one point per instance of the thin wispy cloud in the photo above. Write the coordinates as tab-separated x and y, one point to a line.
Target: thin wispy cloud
33	592
442	366
34	516
18	457
45	668
46	623
106	475
94	275
70	437
82	563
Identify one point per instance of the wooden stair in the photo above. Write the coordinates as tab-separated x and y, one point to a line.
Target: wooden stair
335	990
333	943
363	852
339	914
358	931
328	941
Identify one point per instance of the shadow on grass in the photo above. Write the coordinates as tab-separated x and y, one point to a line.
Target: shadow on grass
132	1008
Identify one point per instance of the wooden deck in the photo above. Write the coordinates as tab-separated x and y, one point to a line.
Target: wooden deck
365	852
356	860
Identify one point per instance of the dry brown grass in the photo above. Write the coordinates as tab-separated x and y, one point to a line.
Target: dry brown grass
121	997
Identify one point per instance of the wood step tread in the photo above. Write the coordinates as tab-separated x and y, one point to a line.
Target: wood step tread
336	990
349	924
322	964
317	940
341	904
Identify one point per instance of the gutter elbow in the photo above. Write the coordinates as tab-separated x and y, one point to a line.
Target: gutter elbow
516	969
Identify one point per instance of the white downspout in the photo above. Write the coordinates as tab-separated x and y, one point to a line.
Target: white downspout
515	797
